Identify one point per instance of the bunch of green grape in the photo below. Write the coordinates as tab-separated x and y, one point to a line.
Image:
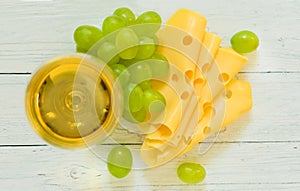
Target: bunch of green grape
128	45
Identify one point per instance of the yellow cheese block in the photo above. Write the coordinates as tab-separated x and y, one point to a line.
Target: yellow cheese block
179	95
226	65
238	100
229	63
172	112
186	65
193	113
190	22
180	40
209	49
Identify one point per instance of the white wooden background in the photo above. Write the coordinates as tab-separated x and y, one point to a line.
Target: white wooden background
260	151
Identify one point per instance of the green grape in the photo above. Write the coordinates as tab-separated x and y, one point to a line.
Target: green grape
112	23
146	84
127	63
121	72
244	42
150	17
140	71
146	48
134	97
119	161
191	173
135	117
155	40
154	101
79	49
159	65
108	53
86	36
126	14
127	43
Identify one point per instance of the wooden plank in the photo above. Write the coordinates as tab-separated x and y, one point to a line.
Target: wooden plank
255	166
275	115
26	45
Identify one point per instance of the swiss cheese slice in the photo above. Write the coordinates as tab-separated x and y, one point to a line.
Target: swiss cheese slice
189	21
238	100
210	70
229	63
237	103
180	40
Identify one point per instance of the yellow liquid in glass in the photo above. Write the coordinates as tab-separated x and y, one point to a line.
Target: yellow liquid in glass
70	102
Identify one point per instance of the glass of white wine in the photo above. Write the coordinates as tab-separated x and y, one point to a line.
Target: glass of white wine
73	101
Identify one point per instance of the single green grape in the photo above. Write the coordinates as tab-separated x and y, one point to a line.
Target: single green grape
126	14
135	117
150	17
79	49
112	23
244	42
134	97
154	101
108	53
86	36
127	63
146	48
191	173
159	65
127	43
146	84
140	71
119	161
155	40
121	72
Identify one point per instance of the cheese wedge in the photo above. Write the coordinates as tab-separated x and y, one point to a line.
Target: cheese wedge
180	60
202	96
178	93
207	53
180	40
189	21
229	63
210	46
237	102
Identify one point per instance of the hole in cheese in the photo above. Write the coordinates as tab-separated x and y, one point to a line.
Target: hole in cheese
223	77
185	95
187	40
198	83
189	74
206	106
164	131
208	109
206	130
175	78
205	67
228	94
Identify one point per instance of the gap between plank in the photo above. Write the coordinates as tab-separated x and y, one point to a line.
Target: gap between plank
220	142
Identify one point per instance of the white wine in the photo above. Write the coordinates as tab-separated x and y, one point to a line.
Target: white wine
73	101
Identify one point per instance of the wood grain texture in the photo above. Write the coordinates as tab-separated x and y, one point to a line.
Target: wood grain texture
229	167
259	151
32	32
